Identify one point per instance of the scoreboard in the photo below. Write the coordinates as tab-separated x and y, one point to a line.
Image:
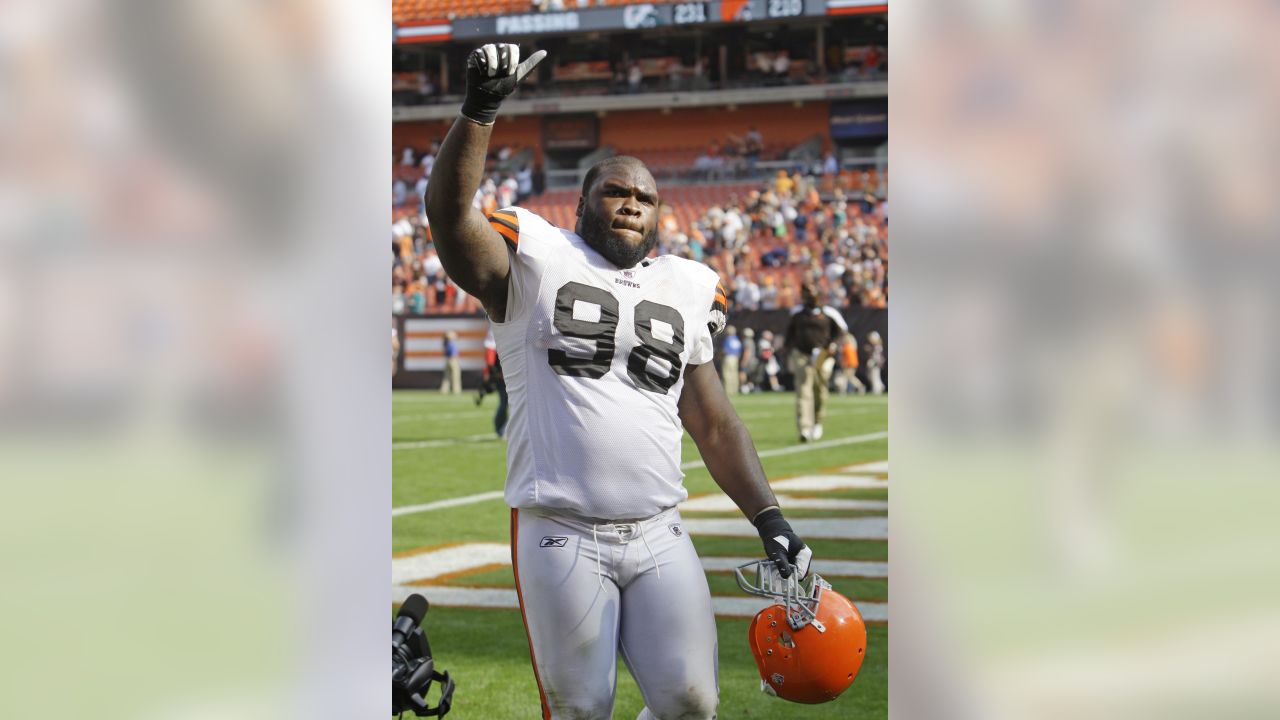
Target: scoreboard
639	16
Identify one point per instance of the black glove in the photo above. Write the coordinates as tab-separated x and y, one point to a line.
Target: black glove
781	544
492	75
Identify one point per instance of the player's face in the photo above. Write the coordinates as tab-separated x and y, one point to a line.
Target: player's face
619	216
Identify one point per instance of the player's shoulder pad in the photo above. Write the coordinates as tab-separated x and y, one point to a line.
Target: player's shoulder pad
704	277
524	229
506	222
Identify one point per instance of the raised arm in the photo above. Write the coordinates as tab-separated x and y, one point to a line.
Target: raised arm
474	254
731	458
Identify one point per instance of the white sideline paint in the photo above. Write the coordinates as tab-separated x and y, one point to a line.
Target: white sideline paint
420	444
481	497
830	482
871	467
722	503
441	504
433	564
461	558
862	528
445	596
806	447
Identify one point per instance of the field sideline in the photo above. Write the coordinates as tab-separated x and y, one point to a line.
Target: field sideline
443	449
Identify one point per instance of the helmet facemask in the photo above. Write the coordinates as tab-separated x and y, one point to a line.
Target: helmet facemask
799	598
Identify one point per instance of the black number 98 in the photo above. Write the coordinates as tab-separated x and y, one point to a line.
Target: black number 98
603	332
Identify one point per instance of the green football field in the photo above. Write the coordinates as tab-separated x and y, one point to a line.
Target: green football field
443	450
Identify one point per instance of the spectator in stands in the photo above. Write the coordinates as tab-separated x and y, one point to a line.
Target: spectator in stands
406	156
675	76
784	185
753	143
731	354
700	81
635	77
746	293
524	183
416	303
395	349
507	192
420	191
782	65
399	192
768	294
431	265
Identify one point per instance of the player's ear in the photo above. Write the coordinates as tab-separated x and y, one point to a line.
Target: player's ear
582	201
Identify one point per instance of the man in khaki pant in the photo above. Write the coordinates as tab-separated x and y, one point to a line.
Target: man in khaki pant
811	338
452	381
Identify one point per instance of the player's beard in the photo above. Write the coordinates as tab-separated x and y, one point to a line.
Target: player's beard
597	231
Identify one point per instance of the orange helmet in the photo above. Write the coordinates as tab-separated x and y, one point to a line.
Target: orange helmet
810	646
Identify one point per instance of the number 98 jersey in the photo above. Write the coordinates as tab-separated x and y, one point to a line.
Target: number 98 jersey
594	360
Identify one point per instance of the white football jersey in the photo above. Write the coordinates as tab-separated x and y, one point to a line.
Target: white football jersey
594	359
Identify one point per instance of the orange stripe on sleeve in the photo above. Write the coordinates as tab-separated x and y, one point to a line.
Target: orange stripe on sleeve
511	235
507	225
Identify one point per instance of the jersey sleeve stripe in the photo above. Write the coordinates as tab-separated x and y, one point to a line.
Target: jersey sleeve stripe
721	301
507	225
507	219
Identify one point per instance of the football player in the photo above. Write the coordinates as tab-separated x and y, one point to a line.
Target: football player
607	356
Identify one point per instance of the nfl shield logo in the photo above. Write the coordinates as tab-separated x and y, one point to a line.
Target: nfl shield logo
676	529
629	274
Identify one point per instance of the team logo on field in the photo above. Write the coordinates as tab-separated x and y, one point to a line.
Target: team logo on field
552	541
676	529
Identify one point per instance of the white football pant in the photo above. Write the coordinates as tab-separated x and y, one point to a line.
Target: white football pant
588	590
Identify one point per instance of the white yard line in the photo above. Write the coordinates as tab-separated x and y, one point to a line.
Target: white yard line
471	556
458	558
441	504
722	503
806	447
420	444
477	413
871	467
830	482
858	528
481	497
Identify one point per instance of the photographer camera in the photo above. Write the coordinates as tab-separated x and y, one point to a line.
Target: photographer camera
412	668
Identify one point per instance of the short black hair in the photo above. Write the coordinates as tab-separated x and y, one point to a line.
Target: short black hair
611	161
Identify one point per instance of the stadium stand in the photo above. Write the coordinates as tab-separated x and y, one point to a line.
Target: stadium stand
769	193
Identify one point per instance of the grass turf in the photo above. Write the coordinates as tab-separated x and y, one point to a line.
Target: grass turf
442	449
